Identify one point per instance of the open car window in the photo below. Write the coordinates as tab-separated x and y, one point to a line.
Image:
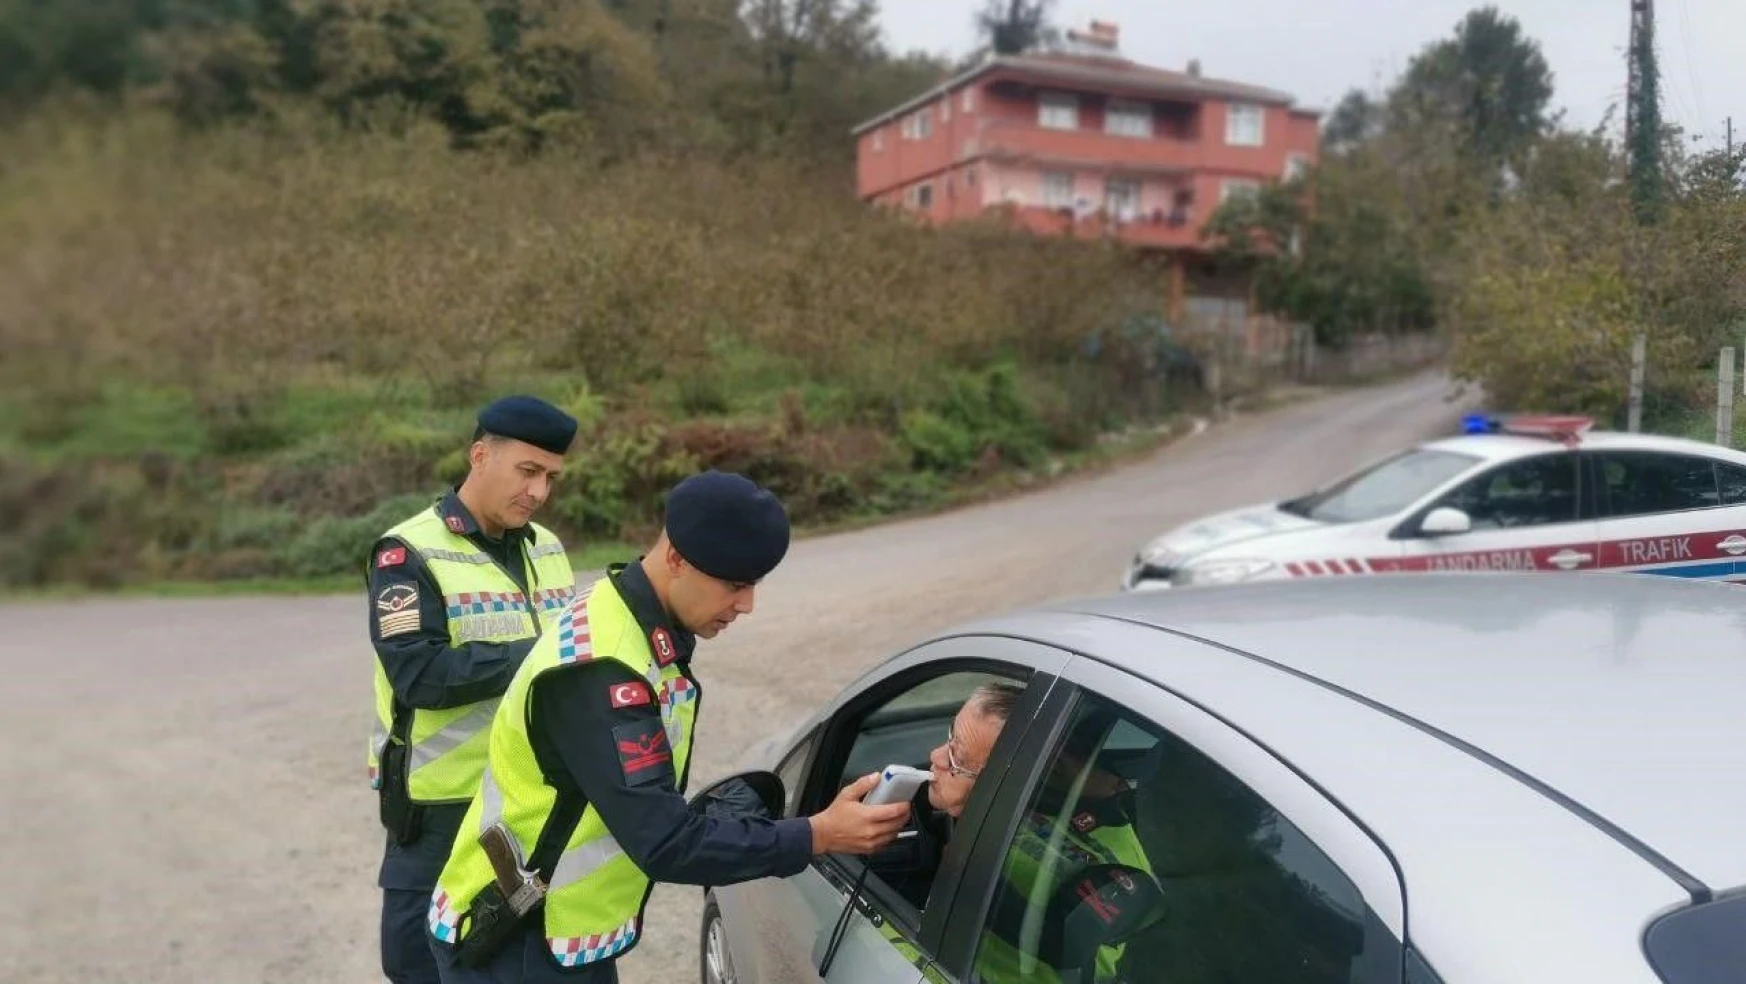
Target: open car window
900	722
905	729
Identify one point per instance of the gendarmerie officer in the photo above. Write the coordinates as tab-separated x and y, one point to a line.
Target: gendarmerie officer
589	755
458	594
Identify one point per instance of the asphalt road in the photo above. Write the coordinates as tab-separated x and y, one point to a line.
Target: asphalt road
184	792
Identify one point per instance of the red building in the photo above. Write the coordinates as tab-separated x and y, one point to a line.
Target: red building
1085	141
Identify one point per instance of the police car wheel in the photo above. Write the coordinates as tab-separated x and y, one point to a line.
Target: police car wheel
718	967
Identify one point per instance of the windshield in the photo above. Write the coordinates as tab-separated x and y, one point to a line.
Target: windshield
1382	489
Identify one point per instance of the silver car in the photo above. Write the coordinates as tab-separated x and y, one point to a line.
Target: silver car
1429	778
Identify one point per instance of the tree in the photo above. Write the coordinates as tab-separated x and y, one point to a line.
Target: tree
1355	119
1013	27
1489	81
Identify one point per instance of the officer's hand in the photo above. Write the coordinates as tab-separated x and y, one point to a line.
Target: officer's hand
849	826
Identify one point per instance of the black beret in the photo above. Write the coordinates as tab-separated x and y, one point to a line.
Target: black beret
727	526
530	419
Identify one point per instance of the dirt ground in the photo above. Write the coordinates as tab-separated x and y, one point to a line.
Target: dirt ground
184	781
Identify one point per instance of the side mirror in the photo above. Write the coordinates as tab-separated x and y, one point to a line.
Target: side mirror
746	794
1446	521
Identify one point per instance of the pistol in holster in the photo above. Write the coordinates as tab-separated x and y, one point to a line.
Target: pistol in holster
501	907
401	817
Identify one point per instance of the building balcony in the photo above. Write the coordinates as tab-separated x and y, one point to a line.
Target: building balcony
1017	142
1158	229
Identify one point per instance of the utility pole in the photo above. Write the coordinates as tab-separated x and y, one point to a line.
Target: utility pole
1643	110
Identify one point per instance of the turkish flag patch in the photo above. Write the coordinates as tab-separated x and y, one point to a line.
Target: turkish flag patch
663	643
628	695
391	557
455	524
643	753
1085	822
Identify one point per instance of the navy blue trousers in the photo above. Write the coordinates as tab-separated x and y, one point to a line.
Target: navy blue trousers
406	956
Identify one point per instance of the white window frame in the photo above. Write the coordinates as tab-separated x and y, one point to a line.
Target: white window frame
1128	118
1058	111
967	102
1052	186
928	188
918	125
1231	187
1245	125
1296	163
878	139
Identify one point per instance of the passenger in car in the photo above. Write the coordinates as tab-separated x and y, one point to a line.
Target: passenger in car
1075	850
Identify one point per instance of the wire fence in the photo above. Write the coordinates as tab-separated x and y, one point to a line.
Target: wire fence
1708	405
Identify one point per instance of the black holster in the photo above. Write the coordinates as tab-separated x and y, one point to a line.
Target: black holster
402	818
488	924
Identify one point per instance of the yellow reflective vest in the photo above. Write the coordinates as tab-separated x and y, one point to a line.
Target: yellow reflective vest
446	753
1046	853
595	897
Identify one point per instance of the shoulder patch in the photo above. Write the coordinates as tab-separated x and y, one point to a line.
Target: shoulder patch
663	643
629	695
397	609
643	753
1085	822
391	557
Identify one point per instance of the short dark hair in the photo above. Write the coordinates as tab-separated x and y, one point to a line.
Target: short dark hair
997	700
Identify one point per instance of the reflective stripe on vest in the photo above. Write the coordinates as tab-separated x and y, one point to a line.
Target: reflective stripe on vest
593	905
482	604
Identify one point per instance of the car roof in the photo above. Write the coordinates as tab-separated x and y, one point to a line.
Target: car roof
1497	447
1619	696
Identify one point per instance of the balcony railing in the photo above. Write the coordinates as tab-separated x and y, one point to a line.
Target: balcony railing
1162	228
1086	148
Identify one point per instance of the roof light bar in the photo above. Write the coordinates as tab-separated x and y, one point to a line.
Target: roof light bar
1566	428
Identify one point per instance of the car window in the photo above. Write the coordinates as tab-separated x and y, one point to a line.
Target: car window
1530	492
1703	944
902	726
1384	489
1141	860
1642	483
905	728
1731	482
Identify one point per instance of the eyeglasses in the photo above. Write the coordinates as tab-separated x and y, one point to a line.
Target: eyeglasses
952	764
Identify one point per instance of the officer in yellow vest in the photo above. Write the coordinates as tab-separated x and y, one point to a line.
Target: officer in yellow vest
589	755
458	594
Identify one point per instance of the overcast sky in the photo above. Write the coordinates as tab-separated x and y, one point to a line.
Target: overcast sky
1334	45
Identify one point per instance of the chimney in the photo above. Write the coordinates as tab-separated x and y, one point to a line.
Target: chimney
1102	37
1194	67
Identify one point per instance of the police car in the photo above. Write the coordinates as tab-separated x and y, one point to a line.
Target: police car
1525	493
1538	787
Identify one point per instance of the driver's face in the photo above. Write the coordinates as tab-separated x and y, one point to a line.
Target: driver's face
959	760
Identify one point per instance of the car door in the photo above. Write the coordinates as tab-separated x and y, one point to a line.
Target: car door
1532	513
1670	514
784	930
1158	843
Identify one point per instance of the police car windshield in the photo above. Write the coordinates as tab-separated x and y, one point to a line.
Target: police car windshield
1382	489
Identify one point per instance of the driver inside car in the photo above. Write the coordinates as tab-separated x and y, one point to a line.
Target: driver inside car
1077	840
908	864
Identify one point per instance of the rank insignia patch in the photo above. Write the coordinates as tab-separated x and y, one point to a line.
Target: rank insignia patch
397	609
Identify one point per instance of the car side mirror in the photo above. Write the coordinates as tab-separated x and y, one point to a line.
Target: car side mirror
757	793
1446	521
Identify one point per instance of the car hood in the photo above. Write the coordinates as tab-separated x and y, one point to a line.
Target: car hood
1222	530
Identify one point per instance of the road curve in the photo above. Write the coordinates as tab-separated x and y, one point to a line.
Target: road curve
184	778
